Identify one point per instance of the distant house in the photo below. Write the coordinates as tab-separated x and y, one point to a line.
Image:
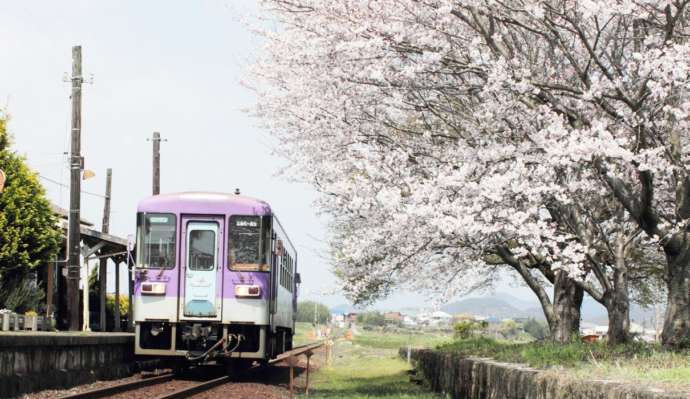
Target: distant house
409	321
393	317
352	317
439	318
338	319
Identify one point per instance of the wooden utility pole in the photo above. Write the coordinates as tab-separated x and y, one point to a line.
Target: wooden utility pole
156	140
103	268
76	164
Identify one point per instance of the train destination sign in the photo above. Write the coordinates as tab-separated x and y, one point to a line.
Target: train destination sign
246	223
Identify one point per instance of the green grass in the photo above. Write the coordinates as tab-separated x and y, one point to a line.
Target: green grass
662	369
360	372
546	354
634	362
372	377
379	339
369	367
301	336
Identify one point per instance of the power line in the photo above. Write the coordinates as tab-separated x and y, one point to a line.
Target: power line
65	185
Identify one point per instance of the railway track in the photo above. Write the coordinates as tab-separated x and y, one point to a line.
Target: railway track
119	388
188	391
125	387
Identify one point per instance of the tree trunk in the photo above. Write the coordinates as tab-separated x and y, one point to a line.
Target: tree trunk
617	298
618	308
567	302
676	331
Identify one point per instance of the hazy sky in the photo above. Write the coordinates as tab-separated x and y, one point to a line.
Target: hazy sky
169	66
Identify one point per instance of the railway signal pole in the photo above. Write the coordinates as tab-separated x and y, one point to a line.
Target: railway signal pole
103	267
76	164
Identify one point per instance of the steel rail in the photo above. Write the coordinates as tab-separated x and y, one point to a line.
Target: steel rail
195	389
122	387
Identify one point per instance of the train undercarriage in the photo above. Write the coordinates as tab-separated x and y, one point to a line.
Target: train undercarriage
202	342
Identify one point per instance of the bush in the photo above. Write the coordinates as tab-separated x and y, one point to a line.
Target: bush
536	329
110	305
468	328
371	319
29	236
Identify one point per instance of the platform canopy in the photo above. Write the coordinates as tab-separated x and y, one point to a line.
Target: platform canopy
94	243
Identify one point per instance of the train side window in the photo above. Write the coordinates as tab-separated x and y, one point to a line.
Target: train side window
284	272
289	280
156	240
280	265
283	268
282	275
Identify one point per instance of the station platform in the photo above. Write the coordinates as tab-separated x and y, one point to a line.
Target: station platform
63	338
31	361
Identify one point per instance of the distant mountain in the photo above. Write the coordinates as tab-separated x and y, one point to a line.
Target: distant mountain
522	304
492	306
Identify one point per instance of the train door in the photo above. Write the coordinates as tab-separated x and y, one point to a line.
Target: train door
202	269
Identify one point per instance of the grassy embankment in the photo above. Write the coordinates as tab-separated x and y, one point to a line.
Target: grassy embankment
646	363
369	367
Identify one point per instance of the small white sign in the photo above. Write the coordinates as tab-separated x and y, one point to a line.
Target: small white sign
247	223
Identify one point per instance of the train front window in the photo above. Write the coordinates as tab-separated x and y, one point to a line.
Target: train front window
156	239
246	243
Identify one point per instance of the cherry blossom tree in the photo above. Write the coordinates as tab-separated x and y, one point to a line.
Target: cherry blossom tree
451	136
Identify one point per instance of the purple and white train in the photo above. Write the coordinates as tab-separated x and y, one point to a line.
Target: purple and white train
216	277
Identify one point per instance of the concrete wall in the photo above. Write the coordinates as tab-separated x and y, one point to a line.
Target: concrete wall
34	361
470	378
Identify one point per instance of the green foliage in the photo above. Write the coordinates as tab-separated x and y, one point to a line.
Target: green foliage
536	329
548	353
365	372
305	312
387	340
19	292
29	236
366	376
467	328
371	319
110	304
509	328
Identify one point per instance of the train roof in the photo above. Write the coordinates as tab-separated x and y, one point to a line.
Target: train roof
204	203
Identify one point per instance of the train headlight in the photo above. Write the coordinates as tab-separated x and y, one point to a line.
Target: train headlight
247	291
152	288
